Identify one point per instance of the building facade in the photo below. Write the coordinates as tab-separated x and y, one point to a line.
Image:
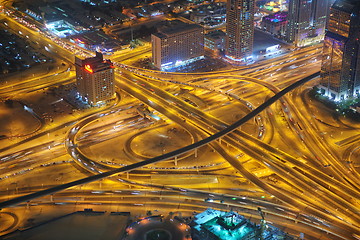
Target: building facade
215	40
95	79
276	24
177	43
307	21
239	29
340	70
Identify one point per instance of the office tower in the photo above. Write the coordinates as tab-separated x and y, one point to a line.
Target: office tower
177	43
340	70
307	21
239	29
95	79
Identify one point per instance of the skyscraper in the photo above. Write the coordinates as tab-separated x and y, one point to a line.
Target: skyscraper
340	70
239	28
307	21
95	78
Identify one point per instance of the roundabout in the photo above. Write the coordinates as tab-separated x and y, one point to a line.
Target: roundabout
8	221
157	228
158	234
156	141
13	126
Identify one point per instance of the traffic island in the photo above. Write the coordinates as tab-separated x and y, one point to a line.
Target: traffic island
8	221
158	234
157	141
16	120
157	228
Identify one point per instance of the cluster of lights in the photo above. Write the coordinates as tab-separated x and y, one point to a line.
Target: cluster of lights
88	68
178	63
277	17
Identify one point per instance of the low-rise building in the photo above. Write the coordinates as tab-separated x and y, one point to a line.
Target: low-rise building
275	23
215	40
218	225
96	41
208	12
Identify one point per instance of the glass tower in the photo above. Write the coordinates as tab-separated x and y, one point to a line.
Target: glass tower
340	70
239	29
307	21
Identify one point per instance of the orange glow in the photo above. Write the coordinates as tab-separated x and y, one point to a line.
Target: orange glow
80	41
183	227
130	231
88	68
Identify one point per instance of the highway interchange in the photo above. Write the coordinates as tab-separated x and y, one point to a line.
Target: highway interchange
279	159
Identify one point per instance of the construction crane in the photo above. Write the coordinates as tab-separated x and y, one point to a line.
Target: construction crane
263	225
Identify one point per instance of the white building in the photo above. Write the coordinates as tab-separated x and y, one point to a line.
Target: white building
176	44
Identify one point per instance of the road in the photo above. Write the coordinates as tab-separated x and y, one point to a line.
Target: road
253	142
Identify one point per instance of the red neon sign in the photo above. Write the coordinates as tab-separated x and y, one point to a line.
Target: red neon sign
88	68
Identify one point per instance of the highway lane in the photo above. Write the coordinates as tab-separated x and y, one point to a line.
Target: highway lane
266	84
336	174
279	170
35	86
41	40
324	153
192	199
87	163
305	53
245	202
159	158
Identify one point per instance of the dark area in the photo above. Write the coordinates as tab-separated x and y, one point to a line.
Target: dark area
17	54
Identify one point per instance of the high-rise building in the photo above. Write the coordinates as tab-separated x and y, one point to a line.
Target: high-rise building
340	70
95	78
307	21
177	43
239	29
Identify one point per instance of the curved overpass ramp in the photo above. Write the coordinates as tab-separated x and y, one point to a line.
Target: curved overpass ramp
166	156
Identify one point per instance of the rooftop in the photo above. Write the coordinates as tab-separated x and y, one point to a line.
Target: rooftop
175	27
216	34
347	5
94	64
276	17
232	226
